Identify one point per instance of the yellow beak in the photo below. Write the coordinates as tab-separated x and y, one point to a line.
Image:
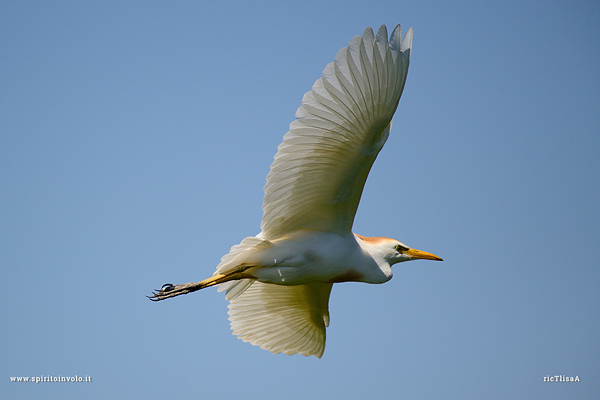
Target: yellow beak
418	254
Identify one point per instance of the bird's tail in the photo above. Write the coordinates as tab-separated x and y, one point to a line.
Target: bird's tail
232	263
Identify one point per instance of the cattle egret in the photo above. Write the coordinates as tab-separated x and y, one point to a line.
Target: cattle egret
278	282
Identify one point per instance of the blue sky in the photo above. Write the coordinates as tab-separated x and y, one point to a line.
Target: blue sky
135	140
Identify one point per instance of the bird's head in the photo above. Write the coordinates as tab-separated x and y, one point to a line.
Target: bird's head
393	251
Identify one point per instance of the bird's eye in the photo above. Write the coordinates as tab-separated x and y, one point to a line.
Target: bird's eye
401	249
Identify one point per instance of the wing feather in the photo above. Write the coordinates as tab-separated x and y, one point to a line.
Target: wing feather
319	171
282	319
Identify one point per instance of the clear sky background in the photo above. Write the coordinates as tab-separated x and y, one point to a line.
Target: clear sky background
135	138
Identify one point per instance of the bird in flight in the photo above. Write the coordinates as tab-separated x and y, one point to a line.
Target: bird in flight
278	282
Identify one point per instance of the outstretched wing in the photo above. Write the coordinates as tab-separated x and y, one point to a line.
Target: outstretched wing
319	171
282	319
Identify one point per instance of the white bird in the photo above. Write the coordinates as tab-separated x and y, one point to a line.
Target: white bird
279	281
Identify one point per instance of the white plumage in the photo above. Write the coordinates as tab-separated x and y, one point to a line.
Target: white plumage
288	319
278	282
319	171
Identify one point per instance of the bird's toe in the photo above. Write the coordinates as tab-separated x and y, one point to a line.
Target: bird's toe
167	287
166	291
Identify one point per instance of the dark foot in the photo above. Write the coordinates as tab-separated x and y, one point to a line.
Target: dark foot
169	290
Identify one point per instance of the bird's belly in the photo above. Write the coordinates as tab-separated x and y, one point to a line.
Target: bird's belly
303	275
314	257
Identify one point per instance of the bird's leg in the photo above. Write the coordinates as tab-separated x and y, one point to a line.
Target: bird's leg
169	290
